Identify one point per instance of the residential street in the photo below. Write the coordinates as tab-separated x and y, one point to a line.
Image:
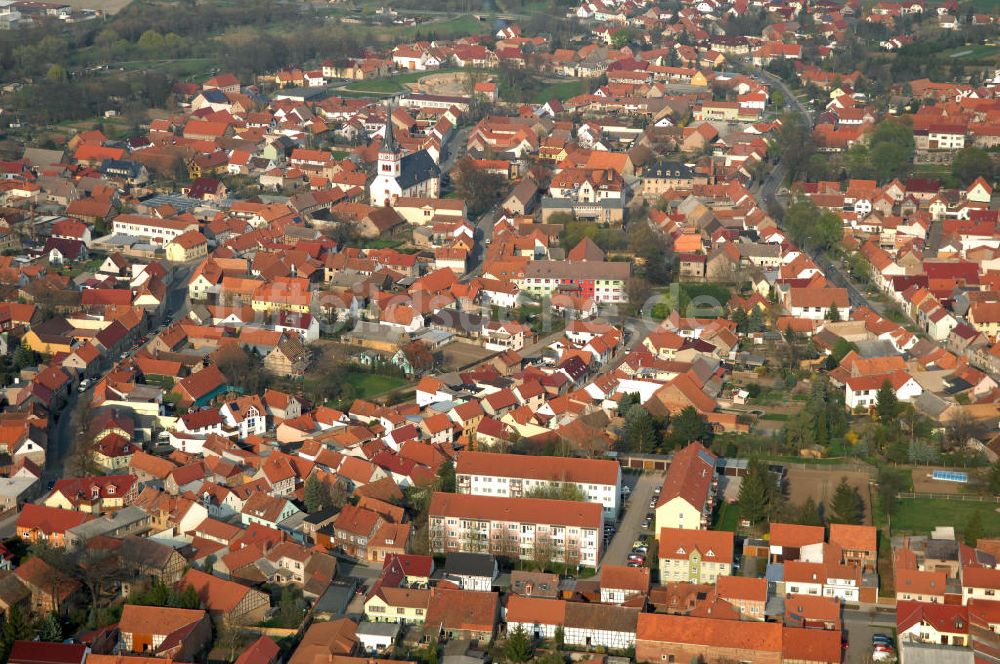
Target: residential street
767	190
62	434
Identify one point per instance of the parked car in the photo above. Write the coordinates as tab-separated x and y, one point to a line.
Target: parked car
641	549
633	563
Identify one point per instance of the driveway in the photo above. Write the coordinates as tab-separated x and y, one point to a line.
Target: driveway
630	522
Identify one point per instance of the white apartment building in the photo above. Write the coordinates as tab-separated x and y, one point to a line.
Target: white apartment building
516	476
561	531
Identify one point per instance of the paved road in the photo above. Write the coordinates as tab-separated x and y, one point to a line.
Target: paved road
483	233
766	190
630	523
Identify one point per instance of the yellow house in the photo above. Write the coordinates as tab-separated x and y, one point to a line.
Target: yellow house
676	513
402	605
686	498
284	294
694	556
186	246
47	344
985	318
94	495
523	429
114	452
699	79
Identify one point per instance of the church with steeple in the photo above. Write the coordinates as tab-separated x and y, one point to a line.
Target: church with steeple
399	176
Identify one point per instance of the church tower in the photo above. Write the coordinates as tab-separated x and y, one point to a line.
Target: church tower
390	157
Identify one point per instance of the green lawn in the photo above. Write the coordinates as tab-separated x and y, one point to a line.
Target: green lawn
921	515
396	83
972	52
727	518
368	385
381	85
461	26
561	91
383	244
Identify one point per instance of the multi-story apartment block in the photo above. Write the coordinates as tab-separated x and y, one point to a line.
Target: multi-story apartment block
600	281
517	476
695	556
561	531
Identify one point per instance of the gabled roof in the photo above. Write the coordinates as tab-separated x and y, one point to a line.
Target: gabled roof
689	477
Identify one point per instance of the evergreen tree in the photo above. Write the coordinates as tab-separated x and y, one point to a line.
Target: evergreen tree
847	505
16	628
809	513
289	610
887	404
689	426
754	496
446	477
841	348
314	494
993	479
640	430
974	528
50	629
833	314
517	646
189	598
559	636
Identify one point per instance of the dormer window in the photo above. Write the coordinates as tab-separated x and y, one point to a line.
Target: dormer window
111	489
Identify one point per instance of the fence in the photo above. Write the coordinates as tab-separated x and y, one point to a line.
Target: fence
958	497
849	466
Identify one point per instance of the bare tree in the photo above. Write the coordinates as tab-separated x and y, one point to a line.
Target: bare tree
543	551
82	456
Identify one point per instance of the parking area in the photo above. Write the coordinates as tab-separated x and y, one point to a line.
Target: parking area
860	626
630	523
